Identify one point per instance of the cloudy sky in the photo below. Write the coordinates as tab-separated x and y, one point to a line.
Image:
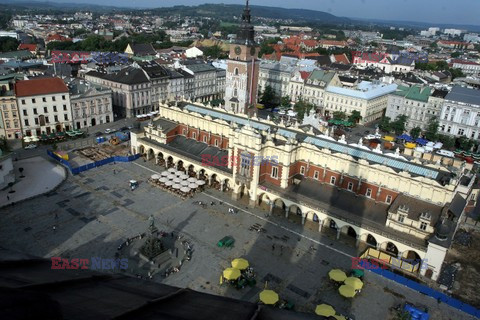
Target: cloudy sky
434	11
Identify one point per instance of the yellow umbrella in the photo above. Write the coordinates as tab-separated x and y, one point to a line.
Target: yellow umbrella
269	297
337	275
355	283
240	264
339	317
231	274
347	291
324	310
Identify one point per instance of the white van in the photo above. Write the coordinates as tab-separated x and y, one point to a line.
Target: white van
446	153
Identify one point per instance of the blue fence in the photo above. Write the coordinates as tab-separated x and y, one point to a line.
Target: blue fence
455	303
95	164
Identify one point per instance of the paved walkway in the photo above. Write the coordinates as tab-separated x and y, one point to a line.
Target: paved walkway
39	176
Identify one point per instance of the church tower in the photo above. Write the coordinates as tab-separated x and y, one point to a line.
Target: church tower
242	68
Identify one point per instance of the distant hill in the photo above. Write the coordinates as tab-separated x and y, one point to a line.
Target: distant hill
224	11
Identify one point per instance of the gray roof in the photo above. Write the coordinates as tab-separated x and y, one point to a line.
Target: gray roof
457	205
416	208
465	95
143	49
128	75
201	67
154	69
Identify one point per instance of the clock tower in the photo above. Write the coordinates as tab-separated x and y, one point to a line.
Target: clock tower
242	69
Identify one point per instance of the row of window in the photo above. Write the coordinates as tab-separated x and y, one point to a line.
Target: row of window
423	225
47	120
205	138
44	99
45	110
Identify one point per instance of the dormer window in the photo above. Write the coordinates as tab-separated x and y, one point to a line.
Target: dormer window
426	216
403	209
423	226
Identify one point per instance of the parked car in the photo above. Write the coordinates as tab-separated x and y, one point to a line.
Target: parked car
124	129
98	134
107	131
30	146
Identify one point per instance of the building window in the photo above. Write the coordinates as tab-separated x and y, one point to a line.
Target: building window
184	132
36	121
194	135
55	118
54	108
368	193
65	116
45	109
63	97
389	199
53	98
44	99
205	139
23	101
47	120
423	226
461	132
26	122
236	71
64	107
350	186
401	218
25	112
302	170
315	175
245	165
333	180
274	172
216	143
33	100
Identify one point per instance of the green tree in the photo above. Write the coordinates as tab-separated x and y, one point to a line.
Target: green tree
285	102
465	143
339	115
213	52
268	97
355	117
8	44
456	73
431	133
385	124
441	65
415	132
433	45
399	124
302	108
448	142
455	54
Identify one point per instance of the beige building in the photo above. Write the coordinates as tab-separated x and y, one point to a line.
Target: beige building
316	84
402	208
368	98
11	127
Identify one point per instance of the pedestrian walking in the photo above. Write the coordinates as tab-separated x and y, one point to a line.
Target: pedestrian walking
114	172
54	229
56	216
273	247
8	198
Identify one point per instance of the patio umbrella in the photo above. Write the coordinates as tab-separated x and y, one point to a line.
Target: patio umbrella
177	180
240	263
338	317
355	283
163	180
193	186
347	291
421	141
165	173
268	296
184	177
172	170
191	179
27	139
155	176
324	310
184	183
171	176
337	275
169	183
177	186
34	138
231	274
200	182
185	189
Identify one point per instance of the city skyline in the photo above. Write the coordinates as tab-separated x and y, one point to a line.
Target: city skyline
440	12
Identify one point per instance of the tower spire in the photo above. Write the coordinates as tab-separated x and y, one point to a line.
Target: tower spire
246	32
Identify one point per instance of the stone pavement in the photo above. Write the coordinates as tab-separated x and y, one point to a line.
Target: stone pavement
96	211
40	176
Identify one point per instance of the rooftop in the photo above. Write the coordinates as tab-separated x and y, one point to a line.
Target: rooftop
128	75
414	93
365	90
41	86
464	95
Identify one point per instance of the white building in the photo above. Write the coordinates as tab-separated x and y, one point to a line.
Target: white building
44	106
276	75
467	67
453	32
461	113
316	83
91	104
419	104
368	98
193	52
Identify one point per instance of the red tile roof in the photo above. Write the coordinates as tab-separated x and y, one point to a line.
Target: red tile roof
40	86
342	58
464	62
26	46
57	37
310	43
304	74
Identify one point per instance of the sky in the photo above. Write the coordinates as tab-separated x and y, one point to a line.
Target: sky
431	11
